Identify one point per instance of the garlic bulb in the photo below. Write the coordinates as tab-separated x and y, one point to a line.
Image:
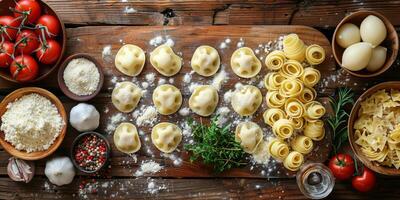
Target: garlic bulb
378	58
356	57
84	117
373	30
347	35
60	171
20	170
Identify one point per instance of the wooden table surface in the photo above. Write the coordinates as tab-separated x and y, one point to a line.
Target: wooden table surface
82	17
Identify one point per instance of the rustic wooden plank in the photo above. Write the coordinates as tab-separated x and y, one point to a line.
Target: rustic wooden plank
82	188
316	13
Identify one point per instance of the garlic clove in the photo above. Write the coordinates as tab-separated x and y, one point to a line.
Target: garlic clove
20	170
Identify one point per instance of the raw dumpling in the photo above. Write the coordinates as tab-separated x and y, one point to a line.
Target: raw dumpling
246	100
126	96
166	136
249	135
205	60
244	63
165	61
167	99
204	100
130	60
126	138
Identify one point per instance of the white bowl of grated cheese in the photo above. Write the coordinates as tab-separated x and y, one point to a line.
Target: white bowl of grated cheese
80	77
33	123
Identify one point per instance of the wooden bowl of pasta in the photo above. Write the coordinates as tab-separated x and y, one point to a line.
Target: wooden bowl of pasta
373	132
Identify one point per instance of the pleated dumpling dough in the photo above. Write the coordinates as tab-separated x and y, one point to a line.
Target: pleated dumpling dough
165	61
244	63
130	60
167	99
126	96
204	100
246	100
166	136
249	135
205	60
126	138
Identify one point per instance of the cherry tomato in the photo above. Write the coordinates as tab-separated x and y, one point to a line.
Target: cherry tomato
29	42
364	182
342	166
24	68
5	51
8	33
31	7
52	24
50	53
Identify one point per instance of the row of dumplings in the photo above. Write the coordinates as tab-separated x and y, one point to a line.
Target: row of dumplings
205	61
203	101
130	60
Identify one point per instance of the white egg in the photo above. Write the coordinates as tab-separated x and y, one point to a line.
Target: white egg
378	58
356	57
347	35
373	30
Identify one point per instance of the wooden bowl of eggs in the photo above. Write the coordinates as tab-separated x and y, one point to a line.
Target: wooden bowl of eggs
365	44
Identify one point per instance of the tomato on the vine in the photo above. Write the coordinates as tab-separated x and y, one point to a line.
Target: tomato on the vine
24	68
8	34
27	41
5	51
52	24
365	181
31	7
49	53
342	166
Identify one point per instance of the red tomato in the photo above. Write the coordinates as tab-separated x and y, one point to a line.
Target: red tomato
29	42
5	51
364	182
8	33
342	166
52	24
50	53
24	68
32	7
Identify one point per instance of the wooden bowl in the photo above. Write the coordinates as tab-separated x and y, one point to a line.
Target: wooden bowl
38	154
391	42
64	87
354	116
75	142
44	69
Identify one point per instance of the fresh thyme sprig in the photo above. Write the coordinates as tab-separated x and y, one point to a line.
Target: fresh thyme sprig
215	145
338	122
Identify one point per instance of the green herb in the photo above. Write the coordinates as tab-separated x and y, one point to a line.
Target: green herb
215	145
338	122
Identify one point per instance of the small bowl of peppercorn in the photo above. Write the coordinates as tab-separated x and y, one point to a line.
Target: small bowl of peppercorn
90	152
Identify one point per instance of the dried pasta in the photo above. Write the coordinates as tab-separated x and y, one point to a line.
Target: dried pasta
278	149
315	54
377	129
293	161
275	60
293	113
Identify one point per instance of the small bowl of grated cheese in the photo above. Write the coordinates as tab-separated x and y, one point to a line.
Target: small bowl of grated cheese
80	77
33	123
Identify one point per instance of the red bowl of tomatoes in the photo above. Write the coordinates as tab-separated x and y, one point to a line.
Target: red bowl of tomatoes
32	40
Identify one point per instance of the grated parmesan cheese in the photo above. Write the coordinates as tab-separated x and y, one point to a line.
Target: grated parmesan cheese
219	79
31	123
81	76
145	115
114	122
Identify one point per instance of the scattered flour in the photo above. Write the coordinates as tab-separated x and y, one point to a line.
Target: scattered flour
228	96
177	161
114	121
153	188
129	10
225	43
158	40
148	167
219	79
187	78
106	53
171	80
161	81
184	111
223	113
240	43
146	115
